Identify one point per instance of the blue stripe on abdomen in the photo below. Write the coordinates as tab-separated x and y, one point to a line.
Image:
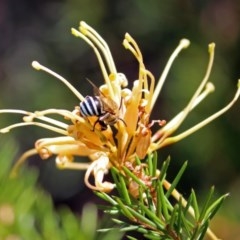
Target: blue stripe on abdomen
91	106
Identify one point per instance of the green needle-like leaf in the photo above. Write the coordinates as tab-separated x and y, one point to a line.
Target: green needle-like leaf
203	230
163	202
123	188
195	205
176	180
151	212
126	210
152	216
131	238
150	166
134	177
154	164
164	169
106	197
215	206
174	217
142	219
206	205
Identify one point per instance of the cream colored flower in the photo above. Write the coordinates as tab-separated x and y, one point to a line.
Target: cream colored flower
128	138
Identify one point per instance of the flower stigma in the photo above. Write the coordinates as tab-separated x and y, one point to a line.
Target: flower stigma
122	131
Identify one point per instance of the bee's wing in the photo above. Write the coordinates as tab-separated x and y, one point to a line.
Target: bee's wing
108	104
96	90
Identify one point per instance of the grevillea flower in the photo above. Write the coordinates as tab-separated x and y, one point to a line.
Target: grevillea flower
120	143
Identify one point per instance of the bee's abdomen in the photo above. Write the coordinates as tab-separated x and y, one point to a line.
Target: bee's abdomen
91	106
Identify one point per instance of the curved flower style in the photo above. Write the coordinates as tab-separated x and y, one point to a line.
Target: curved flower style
122	142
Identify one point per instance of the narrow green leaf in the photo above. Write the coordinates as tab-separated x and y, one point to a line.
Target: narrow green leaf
115	174
189	204
154	218
206	204
142	230
130	228
154	163
203	230
142	195
215	206
163	201
183	224
124	209
176	180
195	205
152	236
121	187
115	171
174	216
136	228
138	160
185	227
103	230
150	165
131	238
158	203
118	221
124	190
107	207
141	218
134	177
164	169
111	212
179	220
106	197
194	234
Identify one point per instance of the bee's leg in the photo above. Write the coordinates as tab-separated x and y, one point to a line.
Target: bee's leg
102	125
94	125
123	121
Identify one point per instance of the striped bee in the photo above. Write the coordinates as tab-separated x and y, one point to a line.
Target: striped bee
102	107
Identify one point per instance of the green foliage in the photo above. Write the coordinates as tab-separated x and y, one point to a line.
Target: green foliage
27	212
147	203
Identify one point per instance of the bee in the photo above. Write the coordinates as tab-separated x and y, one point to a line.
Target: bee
102	107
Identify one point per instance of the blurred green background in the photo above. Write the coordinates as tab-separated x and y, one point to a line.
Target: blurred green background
40	30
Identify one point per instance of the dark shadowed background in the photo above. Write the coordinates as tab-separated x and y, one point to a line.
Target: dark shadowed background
40	30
